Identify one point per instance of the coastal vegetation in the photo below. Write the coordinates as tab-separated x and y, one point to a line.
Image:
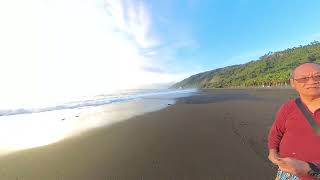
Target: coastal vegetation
271	69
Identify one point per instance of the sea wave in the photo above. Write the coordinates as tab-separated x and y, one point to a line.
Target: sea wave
123	96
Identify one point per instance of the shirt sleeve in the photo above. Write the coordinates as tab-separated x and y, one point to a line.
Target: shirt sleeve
278	128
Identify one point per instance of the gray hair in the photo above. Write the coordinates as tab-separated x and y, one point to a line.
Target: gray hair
292	73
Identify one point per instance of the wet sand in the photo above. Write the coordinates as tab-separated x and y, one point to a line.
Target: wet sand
216	134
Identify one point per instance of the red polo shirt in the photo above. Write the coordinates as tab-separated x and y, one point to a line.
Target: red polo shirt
293	136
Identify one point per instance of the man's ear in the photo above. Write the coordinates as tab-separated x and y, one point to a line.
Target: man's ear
292	83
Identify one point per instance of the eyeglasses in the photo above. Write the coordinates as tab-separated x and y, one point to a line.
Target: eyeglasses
306	79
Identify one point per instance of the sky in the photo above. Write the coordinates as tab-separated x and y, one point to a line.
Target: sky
55	50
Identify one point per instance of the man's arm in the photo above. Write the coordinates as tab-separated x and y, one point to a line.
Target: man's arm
274	156
276	133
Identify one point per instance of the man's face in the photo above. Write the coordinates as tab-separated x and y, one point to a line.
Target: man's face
306	80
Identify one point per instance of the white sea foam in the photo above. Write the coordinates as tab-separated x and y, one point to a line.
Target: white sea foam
28	130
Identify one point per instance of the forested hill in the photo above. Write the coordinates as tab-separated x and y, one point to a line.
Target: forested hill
272	69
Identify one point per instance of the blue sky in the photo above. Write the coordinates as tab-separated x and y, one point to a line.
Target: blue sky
54	50
230	32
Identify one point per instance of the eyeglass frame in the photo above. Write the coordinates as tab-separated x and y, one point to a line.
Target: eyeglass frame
314	77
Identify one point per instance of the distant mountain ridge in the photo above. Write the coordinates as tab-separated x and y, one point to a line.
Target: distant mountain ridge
271	69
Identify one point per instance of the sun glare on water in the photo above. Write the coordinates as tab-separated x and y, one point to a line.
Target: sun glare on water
25	131
32	130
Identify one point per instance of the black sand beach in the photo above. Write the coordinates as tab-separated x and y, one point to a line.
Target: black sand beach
216	134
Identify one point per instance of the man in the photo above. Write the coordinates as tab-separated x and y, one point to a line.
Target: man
293	144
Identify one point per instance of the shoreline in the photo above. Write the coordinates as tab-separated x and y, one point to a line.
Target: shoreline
214	134
46	128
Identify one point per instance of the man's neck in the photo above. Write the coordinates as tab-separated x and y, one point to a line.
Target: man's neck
309	99
313	103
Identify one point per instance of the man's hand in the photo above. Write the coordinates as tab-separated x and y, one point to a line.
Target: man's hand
293	166
274	156
290	165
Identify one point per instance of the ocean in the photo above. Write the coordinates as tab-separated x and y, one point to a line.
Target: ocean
25	128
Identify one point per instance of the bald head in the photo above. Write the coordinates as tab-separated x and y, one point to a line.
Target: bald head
305	70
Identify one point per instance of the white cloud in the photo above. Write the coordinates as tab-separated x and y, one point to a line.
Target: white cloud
133	18
52	50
